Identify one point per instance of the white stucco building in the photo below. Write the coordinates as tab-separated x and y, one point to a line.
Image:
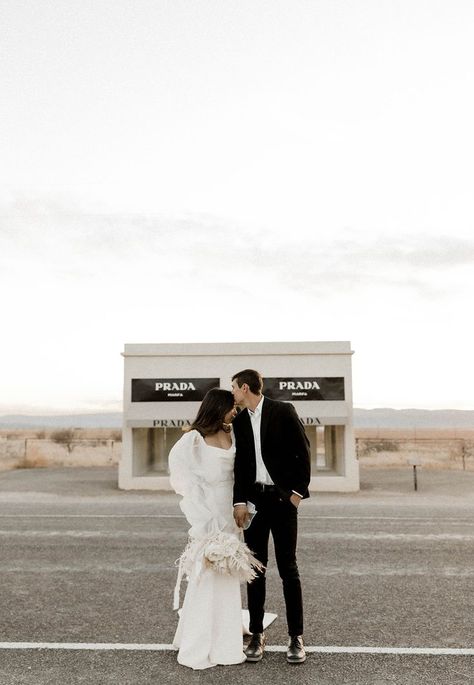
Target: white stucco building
164	384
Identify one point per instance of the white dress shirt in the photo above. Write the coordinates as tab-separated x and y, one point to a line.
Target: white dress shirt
256	419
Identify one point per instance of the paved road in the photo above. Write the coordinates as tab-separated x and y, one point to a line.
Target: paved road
82	562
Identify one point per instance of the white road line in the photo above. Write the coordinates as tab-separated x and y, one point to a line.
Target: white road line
151	647
424	519
92	516
405	538
318	517
89	646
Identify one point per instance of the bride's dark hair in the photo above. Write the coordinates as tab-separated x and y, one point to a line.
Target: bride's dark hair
210	417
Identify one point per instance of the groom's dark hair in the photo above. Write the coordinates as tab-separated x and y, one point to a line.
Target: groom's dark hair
253	379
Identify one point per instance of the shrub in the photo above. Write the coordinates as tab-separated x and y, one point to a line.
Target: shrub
64	437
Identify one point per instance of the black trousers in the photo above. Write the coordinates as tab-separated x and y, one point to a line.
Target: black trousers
281	519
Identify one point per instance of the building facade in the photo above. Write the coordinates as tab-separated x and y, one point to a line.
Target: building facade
165	383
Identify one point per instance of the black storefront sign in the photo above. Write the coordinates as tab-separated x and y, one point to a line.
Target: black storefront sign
304	388
171	389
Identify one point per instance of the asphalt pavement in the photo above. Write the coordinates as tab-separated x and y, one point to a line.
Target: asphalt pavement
83	563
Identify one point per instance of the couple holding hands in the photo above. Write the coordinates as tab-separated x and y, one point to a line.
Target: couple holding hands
240	475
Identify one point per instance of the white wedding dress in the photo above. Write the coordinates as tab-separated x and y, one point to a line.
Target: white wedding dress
210	625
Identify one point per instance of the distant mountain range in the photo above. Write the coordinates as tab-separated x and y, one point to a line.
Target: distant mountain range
413	418
363	418
16	421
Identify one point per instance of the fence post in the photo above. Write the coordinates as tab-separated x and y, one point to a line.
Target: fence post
415	462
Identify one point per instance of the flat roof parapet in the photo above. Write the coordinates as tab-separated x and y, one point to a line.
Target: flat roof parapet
236	349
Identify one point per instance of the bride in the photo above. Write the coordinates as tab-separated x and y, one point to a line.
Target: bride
216	560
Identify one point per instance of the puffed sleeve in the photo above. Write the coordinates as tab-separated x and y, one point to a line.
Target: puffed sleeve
188	480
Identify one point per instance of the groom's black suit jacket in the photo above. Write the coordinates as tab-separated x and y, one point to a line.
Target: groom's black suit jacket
285	451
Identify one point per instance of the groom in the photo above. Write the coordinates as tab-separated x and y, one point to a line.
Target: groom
272	470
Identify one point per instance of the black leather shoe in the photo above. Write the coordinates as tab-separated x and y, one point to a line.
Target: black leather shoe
254	651
295	653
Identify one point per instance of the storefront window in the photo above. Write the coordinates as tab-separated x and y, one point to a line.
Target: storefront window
327	447
151	447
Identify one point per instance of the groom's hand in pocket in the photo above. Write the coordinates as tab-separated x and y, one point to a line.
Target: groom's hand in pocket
295	500
240	514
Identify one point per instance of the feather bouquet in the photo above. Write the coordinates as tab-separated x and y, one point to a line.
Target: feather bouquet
222	553
225	553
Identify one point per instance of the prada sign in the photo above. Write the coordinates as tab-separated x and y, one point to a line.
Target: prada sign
171	389
298	389
171	423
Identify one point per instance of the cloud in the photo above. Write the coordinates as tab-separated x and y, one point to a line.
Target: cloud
416	264
67	243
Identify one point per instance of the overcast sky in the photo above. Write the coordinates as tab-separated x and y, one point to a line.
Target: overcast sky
216	170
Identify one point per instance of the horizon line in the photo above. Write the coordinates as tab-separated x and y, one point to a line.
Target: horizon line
77	412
